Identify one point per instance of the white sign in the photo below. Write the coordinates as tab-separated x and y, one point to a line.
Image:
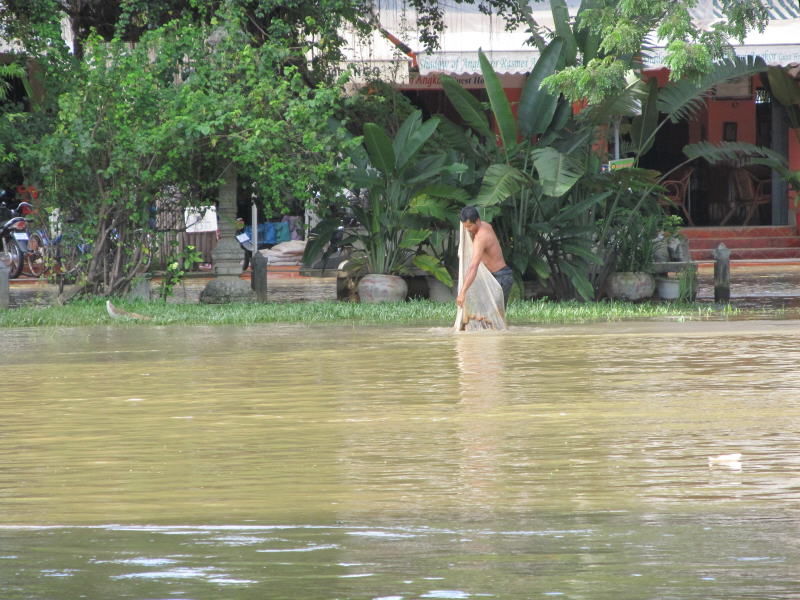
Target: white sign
521	61
200	219
470	81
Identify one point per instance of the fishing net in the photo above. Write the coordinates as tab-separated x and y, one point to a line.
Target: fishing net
484	307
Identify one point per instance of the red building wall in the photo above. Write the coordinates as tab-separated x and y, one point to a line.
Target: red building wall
740	112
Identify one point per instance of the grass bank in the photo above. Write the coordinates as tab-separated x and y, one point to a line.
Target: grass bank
416	312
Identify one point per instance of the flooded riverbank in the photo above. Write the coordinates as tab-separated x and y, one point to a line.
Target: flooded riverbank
769	286
337	462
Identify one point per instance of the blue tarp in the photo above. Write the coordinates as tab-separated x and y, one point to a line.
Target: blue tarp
271	233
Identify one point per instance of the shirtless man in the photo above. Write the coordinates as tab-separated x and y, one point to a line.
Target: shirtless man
485	249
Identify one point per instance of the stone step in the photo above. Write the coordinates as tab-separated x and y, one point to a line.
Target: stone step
748	253
746	242
763	242
693	233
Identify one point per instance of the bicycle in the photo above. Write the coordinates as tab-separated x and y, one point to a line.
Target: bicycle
46	256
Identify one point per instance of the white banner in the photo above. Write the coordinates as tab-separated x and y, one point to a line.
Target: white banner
521	61
468	66
773	54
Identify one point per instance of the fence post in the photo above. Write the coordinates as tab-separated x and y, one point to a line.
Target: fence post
5	290
259	276
722	274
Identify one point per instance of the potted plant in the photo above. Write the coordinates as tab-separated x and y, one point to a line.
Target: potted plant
404	188
670	243
633	243
669	288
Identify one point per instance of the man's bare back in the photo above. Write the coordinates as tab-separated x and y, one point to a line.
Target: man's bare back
486	247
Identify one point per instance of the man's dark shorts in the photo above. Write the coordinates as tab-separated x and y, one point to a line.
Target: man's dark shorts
505	277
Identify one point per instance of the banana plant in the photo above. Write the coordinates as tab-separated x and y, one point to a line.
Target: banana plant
531	169
407	191
534	167
681	100
745	154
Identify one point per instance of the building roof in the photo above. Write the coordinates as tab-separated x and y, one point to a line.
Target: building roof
467	30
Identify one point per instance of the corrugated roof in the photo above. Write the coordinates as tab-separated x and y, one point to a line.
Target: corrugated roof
779	10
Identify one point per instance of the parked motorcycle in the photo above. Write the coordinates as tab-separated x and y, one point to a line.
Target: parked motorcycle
13	232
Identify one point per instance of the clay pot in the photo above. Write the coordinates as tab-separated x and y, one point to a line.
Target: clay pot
630	285
439	292
377	287
668	289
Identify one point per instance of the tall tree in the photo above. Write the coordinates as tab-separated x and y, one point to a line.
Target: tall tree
623	30
168	116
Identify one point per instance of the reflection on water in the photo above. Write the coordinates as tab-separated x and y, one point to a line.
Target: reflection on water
293	462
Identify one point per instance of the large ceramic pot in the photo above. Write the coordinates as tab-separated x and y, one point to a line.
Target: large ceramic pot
439	292
630	285
376	287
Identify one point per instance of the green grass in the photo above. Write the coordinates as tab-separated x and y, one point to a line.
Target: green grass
416	312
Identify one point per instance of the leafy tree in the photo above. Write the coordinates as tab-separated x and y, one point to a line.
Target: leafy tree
171	114
7	116
609	37
299	26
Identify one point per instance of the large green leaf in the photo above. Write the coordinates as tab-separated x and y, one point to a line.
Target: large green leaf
627	103
577	279
446	191
404	133
559	121
730	151
521	258
537	106
644	125
588	39
786	90
456	137
557	172
583	250
501	107
426	168
783	86
540	267
433	265
500	182
467	106
561	20
682	99
379	147
429	206
318	238
414	142
412	238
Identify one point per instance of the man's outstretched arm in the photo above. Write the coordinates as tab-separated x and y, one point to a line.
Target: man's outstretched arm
472	272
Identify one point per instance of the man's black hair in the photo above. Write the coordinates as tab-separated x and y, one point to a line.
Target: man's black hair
469	213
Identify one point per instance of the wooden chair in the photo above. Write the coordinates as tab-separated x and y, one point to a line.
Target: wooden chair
677	193
751	192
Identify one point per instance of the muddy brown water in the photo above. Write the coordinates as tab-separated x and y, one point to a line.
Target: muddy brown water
385	463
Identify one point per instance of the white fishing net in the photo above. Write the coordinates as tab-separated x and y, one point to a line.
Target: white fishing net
484	307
